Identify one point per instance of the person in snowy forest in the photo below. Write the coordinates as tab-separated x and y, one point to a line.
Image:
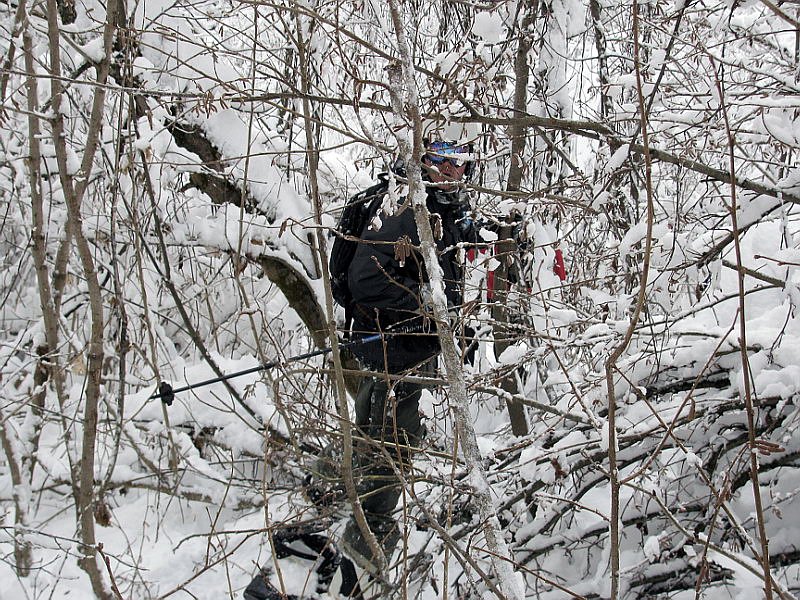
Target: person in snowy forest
388	301
391	297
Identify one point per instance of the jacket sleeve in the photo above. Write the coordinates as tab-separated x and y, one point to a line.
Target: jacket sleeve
470	228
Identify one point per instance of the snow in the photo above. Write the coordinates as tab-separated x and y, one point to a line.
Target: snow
445	61
618	158
513	353
747	583
633	236
488	26
94	50
652	548
237	475
487	235
563	316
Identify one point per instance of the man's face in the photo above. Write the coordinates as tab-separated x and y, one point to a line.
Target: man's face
446	162
445	171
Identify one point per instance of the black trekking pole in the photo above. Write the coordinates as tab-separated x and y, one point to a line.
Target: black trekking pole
167	393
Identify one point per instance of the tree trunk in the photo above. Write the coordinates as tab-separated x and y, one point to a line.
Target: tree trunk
73	195
333	339
405	101
606	107
23	551
519	131
506	246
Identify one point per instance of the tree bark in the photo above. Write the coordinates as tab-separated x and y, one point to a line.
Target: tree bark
606	106
73	195
749	391
333	339
518	131
506	246
23	550
405	100
47	361
303	300
616	354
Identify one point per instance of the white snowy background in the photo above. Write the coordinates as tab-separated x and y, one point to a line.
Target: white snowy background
186	494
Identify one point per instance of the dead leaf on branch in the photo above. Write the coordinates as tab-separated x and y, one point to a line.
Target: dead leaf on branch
102	514
560	473
436	226
768	448
403	248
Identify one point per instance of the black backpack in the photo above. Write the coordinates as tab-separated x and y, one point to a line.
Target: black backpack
355	217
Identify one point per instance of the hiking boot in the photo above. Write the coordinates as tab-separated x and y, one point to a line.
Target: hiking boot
346	583
304	541
356	548
261	588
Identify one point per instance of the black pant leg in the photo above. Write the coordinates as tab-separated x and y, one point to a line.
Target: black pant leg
395	424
